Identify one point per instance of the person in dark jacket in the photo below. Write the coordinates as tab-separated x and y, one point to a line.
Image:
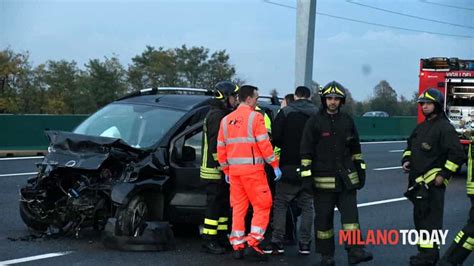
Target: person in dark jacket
432	156
289	98
287	130
331	157
463	244
217	190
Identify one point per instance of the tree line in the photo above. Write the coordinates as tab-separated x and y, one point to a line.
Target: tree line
62	87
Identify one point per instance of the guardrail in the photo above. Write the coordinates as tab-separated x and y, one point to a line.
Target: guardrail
23	134
385	128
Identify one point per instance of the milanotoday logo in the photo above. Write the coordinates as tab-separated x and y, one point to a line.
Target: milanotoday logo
394	237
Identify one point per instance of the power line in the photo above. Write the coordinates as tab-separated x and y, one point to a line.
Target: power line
446	5
374	24
278	4
394	27
408	15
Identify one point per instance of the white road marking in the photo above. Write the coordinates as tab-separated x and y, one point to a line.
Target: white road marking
378	202
396	151
384	142
387	168
21	158
19	174
32	258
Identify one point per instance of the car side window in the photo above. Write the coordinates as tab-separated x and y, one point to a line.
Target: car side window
187	150
195	142
198	116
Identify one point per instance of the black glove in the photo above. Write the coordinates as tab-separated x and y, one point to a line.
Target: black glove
360	168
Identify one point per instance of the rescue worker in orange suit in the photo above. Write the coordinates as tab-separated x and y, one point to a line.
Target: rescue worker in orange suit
243	147
331	155
432	156
463	243
217	190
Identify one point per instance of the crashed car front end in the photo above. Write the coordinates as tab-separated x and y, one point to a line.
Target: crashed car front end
72	189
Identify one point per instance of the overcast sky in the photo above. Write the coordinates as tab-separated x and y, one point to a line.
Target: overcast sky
259	36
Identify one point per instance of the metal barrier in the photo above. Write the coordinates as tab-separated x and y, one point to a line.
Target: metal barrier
23	134
385	128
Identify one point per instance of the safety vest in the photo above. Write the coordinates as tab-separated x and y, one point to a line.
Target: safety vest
206	172
266	119
243	144
268	125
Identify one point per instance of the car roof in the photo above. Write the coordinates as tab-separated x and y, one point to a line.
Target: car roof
185	99
183	102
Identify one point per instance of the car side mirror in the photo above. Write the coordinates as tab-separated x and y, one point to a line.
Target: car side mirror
188	154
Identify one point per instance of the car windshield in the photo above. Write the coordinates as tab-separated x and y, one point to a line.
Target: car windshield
141	126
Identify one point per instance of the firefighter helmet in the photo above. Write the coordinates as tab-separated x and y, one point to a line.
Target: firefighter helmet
431	95
224	89
333	89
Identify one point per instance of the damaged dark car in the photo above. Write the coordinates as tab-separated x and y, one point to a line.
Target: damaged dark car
134	162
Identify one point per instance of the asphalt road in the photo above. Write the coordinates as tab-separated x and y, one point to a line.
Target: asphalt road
381	207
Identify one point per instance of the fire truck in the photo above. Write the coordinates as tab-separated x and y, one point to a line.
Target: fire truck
455	79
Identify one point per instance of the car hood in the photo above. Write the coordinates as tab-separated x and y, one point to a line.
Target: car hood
85	152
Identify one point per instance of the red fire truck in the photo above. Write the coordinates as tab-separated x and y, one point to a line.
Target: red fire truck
455	79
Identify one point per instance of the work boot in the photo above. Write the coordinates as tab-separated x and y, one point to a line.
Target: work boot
255	253
356	255
275	248
238	254
305	249
225	244
423	259
212	247
327	260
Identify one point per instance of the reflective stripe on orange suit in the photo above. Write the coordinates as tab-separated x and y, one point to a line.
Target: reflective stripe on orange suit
243	146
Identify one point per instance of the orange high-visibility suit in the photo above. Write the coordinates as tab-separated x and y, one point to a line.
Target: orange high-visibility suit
243	146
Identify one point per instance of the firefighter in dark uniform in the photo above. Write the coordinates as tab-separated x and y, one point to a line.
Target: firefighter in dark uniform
331	155
463	243
432	156
218	207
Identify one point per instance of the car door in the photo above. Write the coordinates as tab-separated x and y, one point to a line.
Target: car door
185	162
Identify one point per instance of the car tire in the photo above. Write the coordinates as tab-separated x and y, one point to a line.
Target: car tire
30	219
131	218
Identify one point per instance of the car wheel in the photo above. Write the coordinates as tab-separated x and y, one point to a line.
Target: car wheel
30	219
131	219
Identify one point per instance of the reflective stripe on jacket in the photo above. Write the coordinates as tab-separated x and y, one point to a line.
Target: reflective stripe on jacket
469	179
243	144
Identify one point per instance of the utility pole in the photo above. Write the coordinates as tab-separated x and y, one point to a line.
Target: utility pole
305	25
